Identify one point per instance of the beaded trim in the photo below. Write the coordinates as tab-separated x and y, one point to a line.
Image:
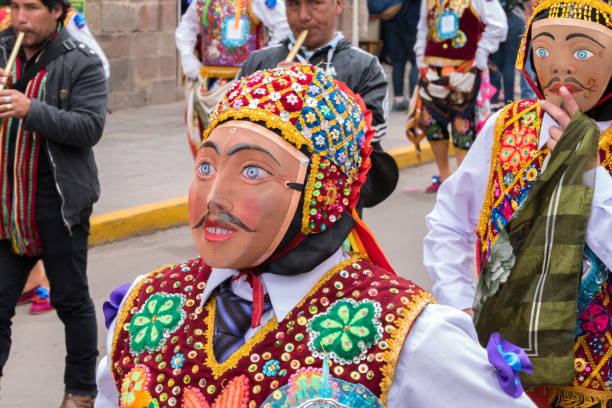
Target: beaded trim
502	123
398	337
128	305
218	369
578	9
605	149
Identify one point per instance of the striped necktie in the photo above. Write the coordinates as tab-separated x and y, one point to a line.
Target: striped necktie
232	320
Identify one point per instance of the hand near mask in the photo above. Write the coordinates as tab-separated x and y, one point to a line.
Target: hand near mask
562	115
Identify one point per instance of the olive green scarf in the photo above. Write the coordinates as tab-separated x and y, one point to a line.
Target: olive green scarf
529	284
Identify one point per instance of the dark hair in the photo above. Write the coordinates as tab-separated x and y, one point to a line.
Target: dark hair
63	4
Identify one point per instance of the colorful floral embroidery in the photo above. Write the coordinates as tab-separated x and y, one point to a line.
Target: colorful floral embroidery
134	387
346	330
160	316
516	146
461	125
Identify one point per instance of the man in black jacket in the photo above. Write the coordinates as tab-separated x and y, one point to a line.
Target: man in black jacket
359	70
52	112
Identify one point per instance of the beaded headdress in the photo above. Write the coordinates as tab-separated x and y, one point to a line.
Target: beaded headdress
311	112
599	11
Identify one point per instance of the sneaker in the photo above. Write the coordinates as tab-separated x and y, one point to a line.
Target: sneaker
27	297
400	106
78	401
434	186
40	301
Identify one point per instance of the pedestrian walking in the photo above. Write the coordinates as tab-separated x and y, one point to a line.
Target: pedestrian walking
454	41
359	70
52	112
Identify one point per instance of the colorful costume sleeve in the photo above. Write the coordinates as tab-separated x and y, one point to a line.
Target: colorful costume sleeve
452	368
419	45
272	14
186	36
449	245
496	27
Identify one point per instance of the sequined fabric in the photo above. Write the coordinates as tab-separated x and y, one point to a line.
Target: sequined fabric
366	312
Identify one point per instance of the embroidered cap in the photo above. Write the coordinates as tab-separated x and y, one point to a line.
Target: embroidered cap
310	111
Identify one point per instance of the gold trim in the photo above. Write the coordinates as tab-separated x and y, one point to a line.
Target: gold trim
577	397
127	307
397	339
218	369
500	126
444	62
605	144
312	178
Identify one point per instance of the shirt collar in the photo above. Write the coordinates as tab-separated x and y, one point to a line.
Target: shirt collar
332	44
548	121
283	300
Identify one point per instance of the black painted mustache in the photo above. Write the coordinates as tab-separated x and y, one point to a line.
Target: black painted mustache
227	217
569	79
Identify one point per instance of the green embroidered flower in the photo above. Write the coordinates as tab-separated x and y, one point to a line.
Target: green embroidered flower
346	331
160	316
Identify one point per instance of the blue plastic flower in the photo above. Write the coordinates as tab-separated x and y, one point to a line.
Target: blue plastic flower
271	368
178	360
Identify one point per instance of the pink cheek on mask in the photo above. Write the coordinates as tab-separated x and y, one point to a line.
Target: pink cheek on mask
251	211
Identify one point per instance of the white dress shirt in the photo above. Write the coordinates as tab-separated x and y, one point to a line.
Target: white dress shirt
449	247
441	363
492	16
274	19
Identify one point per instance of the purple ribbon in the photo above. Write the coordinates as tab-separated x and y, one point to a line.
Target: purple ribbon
508	360
111	306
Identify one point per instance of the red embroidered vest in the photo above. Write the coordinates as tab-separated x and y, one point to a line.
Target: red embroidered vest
162	346
459	43
516	163
223	42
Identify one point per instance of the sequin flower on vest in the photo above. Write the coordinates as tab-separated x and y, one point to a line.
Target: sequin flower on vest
310	110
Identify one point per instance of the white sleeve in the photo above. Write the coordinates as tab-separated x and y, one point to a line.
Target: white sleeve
108	395
600	221
186	36
84	35
275	19
421	40
449	246
443	365
494	18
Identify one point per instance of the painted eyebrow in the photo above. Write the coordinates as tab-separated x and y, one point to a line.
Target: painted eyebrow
546	34
573	35
248	146
212	145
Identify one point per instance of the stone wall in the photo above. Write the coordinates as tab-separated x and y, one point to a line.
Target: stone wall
138	39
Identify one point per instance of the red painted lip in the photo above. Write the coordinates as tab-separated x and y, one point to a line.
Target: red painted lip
217	231
569	86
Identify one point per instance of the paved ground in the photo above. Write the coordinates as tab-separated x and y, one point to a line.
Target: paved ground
143	157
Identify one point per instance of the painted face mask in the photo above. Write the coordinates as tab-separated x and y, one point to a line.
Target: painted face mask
571	46
278	138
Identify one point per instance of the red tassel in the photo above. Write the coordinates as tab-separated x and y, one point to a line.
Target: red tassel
258	294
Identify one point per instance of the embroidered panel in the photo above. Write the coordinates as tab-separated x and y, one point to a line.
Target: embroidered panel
357	313
230	32
516	162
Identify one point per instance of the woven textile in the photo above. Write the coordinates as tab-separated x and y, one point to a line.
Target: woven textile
17	193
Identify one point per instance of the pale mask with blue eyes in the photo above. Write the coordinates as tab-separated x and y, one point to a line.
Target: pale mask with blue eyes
573	53
247	187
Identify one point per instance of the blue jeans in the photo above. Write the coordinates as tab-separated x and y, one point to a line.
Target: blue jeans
401	46
505	57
